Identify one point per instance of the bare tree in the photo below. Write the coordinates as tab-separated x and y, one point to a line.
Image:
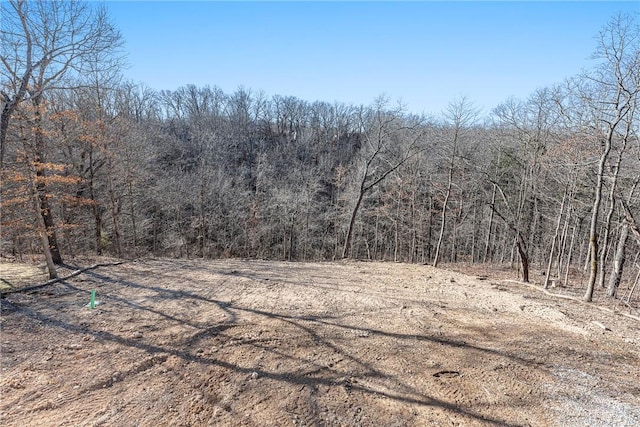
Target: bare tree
385	150
460	115
521	243
45	44
612	93
42	43
525	133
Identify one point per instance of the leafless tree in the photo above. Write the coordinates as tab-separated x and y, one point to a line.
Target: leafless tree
45	44
611	91
386	147
460	116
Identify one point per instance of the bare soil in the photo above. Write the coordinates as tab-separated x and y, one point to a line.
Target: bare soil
257	343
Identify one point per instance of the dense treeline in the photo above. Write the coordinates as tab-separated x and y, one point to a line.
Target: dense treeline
91	164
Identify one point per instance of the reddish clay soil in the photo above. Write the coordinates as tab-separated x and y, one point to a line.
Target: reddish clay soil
257	343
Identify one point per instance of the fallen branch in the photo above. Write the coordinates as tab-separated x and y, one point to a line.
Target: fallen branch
600	325
60	279
579	300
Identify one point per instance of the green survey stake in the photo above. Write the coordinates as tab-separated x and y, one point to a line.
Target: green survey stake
92	303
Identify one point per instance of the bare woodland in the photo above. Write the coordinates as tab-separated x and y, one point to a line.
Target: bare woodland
190	203
93	164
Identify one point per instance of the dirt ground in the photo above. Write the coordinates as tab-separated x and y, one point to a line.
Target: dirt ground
258	343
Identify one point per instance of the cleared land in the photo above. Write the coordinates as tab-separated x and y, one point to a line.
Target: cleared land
257	343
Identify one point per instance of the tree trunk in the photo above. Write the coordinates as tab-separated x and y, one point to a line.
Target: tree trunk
555	238
575	230
524	260
443	220
474	232
98	225
563	240
396	237
47	217
134	228
612	206
42	232
347	243
520	243
618	262
490	229
95	207
115	214
41	186
429	228
203	228
593	230
4	127
414	246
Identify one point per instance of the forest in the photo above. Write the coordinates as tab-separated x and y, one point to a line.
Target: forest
92	164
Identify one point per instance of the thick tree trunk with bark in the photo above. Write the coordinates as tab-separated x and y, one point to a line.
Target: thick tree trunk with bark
41	181
595	210
4	126
524	259
42	233
47	217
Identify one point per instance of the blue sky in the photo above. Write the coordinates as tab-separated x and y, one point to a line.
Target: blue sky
423	53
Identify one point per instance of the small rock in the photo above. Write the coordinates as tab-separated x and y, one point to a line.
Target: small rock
74	346
137	335
254	375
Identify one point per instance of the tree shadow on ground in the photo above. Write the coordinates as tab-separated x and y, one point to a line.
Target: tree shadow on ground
306	325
